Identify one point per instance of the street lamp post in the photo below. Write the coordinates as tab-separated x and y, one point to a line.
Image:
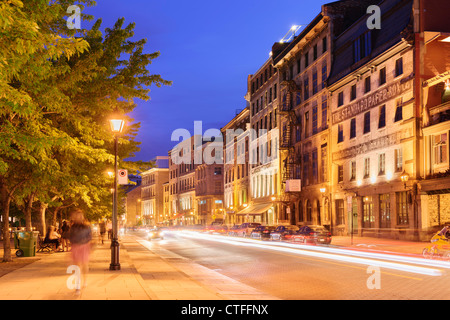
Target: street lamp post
404	177
116	128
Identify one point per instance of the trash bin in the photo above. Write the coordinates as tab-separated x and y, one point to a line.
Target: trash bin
25	242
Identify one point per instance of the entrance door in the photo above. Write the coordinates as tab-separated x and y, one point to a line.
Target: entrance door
319	219
292	216
368	214
385	211
353	215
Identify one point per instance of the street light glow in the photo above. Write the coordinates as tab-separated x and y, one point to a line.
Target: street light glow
117	125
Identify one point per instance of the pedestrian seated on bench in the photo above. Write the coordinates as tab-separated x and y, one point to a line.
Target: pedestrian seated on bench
53	237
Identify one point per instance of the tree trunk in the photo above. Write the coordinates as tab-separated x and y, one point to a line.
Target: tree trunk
55	216
28	208
6	200
42	209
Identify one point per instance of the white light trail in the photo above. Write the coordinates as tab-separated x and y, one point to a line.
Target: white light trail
357	257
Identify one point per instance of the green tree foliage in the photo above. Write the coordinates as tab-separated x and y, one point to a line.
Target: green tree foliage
57	93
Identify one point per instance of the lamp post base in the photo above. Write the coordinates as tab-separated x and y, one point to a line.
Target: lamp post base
115	265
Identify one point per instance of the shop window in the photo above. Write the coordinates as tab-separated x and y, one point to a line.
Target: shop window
402	208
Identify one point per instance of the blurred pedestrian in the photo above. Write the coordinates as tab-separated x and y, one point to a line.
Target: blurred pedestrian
65	228
80	237
102	230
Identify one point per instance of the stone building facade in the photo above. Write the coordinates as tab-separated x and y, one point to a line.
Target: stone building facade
262	98
236	166
152	196
304	66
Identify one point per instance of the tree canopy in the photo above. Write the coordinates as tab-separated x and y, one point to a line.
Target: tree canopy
58	89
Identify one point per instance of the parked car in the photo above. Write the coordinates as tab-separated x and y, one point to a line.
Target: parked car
155	233
312	234
194	227
246	229
220	229
232	231
262	232
283	232
216	228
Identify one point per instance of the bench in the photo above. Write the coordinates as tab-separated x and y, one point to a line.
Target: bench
44	246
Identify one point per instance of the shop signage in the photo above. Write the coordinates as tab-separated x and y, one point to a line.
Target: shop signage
377	98
382	142
293	185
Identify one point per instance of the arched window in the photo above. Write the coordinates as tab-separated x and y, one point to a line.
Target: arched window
319	218
300	212
308	211
292	215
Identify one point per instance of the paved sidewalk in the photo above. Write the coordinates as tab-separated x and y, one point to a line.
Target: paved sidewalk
145	275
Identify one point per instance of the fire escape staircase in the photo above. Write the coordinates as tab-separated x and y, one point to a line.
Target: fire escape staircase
288	117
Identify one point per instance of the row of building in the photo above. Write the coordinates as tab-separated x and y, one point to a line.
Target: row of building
345	126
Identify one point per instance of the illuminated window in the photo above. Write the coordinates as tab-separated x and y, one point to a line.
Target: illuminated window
308	211
366	167
385	211
368	214
323	158
340	173
340	212
352	170
398	160
440	148
381	163
402	207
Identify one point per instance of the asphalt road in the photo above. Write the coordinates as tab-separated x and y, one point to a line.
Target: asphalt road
299	274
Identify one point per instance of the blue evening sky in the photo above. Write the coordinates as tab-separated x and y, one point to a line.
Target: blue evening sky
208	49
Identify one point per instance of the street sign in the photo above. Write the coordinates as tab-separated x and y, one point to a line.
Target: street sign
123	176
293	185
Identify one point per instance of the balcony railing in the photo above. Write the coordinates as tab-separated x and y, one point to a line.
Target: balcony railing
439	113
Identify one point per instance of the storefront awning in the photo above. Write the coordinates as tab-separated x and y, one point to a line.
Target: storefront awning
256	209
435	186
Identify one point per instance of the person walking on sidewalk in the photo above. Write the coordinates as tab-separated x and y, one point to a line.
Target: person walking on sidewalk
80	236
102	231
65	228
